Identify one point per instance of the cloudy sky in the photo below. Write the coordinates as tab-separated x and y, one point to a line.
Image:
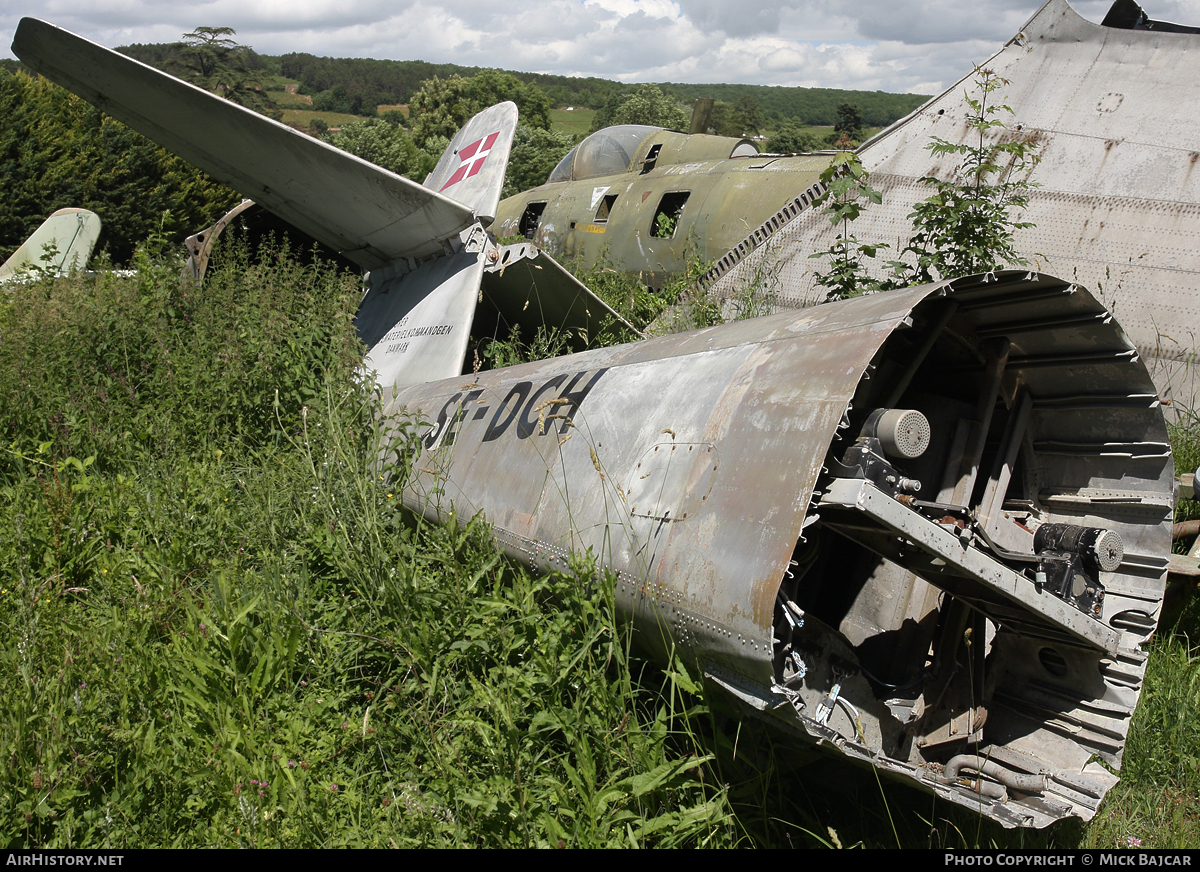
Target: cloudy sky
890	45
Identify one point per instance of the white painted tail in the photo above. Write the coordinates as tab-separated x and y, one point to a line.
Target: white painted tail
63	242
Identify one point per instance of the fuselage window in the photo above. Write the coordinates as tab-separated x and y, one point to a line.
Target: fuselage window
651	157
530	219
666	216
605	208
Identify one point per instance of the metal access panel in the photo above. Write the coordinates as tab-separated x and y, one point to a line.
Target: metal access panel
977	589
1118	207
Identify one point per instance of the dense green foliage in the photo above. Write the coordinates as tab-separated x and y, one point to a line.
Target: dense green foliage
807	106
968	224
966	227
793	138
846	194
387	145
390	81
646	104
742	118
220	629
443	106
535	152
58	151
210	58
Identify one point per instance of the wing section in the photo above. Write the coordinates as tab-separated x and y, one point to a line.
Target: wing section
63	242
372	216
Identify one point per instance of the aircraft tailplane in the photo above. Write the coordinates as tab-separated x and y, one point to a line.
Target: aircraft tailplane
63	242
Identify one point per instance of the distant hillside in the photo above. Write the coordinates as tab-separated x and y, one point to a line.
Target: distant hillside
370	82
813	106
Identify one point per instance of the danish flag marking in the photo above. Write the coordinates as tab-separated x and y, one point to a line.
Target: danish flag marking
472	157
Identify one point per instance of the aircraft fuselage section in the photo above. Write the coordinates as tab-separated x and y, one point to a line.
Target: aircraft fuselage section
725	478
711	206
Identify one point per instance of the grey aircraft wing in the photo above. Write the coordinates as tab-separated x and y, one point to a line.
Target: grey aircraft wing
370	215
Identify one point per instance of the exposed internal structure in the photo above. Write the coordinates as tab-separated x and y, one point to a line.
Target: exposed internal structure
987	554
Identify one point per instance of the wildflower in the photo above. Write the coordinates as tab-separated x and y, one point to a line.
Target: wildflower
333	788
1133	842
304	765
291	764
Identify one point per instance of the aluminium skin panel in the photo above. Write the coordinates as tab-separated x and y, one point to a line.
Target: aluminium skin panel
702	470
1118	202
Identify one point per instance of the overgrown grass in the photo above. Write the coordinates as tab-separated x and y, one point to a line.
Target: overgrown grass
219	628
576	123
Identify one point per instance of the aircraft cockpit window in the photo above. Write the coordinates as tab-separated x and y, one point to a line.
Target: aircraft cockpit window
562	172
605	208
609	151
666	216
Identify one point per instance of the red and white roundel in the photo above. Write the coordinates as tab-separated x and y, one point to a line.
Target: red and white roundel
472	157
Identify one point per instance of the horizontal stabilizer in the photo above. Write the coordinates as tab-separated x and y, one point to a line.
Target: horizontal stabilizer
62	243
525	286
370	215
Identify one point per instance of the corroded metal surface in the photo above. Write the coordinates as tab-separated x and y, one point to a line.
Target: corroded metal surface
703	470
716	198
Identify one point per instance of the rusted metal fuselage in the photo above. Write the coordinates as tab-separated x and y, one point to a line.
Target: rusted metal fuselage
899	610
1117	191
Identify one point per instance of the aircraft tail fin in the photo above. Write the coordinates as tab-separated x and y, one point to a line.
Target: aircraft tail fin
417	324
63	242
471	169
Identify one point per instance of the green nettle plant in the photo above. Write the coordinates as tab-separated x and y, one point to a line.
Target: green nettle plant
846	189
968	225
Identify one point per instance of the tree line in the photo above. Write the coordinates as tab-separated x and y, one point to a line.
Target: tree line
367	83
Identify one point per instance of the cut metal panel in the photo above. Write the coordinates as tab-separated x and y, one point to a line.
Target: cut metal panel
522	285
1118	205
369	214
555	454
775	387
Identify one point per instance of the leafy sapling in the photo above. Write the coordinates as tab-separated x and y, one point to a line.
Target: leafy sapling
968	225
846	193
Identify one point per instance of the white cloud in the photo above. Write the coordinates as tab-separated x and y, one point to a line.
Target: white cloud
894	46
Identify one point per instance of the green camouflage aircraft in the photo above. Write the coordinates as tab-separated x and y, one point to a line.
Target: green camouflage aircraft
647	198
